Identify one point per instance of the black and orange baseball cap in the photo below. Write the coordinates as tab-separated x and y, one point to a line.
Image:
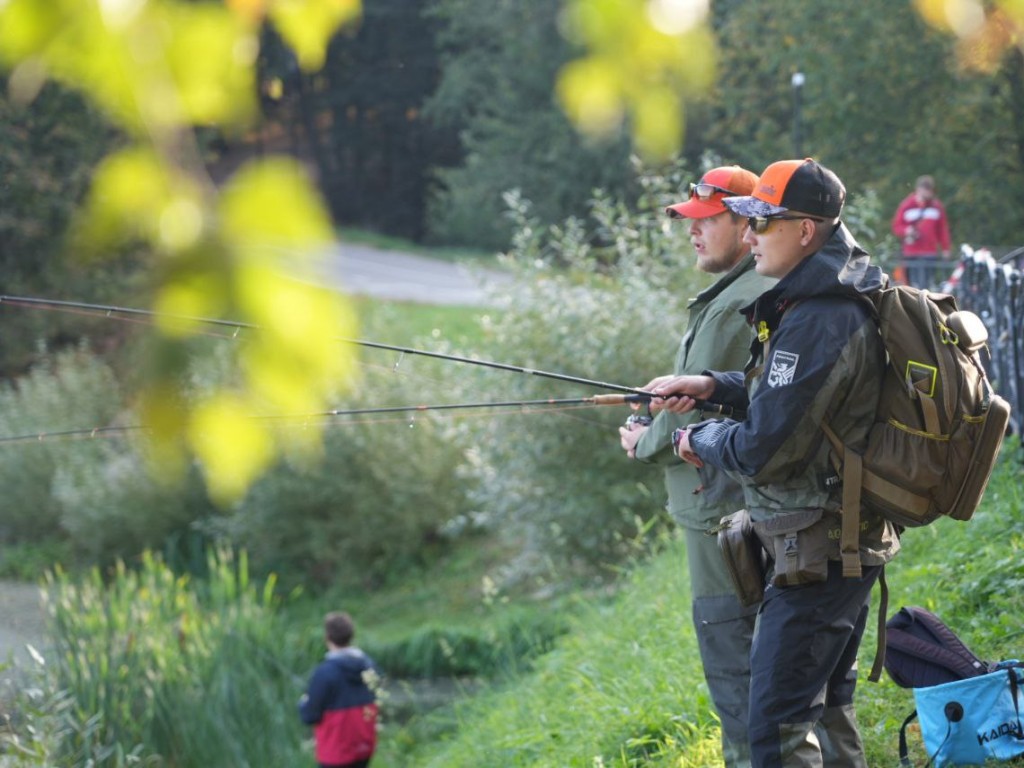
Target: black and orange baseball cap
800	186
726	181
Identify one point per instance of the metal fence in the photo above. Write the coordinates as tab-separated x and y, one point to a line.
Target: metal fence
991	289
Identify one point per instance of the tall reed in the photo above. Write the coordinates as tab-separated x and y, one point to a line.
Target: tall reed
162	670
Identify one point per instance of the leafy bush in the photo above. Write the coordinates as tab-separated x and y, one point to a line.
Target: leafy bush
372	506
72	387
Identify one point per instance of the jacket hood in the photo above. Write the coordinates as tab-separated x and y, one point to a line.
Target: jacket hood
352	661
840	266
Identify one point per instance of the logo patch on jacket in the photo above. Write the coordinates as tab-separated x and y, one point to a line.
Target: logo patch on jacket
783	369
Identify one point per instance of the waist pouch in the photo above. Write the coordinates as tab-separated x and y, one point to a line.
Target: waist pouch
798	543
744	557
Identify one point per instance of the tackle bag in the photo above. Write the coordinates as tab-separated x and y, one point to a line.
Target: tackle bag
969	709
968	722
938	425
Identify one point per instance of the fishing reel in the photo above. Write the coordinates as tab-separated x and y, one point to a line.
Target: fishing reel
641	419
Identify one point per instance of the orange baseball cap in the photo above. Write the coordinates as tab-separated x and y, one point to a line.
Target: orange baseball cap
801	186
728	180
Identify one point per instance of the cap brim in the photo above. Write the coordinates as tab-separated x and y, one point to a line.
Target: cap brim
696	209
752	206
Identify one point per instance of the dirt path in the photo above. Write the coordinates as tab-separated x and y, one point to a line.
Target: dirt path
22	620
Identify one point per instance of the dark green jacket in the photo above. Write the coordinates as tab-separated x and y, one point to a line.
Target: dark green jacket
718	337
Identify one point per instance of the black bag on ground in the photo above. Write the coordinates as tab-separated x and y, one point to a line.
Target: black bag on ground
920	650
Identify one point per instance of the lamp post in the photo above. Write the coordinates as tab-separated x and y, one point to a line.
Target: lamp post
797	82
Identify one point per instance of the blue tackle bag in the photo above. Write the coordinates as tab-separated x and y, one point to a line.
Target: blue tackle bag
967	722
969	709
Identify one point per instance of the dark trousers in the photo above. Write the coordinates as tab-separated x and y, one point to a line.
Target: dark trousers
356	764
804	672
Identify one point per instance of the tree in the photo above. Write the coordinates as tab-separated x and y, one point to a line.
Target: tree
621	68
48	150
499	62
886	99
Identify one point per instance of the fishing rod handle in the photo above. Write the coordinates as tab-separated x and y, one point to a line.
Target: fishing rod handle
645	397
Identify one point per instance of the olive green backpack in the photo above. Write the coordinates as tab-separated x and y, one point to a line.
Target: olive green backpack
938	427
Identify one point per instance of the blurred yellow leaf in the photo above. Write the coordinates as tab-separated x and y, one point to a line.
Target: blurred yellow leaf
217	86
275	228
1014	8
151	65
26	26
643	57
658	118
295	364
191	293
591	94
233	448
271	203
159	67
134	194
308	25
251	11
163	412
962	17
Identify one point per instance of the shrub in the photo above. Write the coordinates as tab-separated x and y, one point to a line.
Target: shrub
372	506
72	387
503	648
615	312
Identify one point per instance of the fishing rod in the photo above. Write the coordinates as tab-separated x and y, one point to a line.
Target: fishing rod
617	399
110	310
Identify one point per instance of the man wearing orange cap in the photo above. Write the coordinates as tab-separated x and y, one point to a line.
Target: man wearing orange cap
818	357
717	337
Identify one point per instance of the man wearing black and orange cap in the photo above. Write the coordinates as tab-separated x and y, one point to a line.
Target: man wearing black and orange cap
717	336
818	356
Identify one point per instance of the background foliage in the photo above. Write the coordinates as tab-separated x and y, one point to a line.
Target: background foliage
465	90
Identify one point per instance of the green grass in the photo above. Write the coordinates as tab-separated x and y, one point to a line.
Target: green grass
624	688
405	323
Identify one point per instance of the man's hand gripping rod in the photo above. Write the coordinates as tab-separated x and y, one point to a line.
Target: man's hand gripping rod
645	398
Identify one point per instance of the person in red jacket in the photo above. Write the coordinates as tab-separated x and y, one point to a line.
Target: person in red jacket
340	702
921	225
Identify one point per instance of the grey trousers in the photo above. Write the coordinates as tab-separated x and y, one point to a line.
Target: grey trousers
724	633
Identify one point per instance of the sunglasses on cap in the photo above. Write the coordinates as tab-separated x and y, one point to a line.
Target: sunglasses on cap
758	224
704	191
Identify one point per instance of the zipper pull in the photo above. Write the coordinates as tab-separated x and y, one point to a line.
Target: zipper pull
722	526
762	331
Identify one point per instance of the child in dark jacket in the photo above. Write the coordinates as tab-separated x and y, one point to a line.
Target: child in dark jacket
340	702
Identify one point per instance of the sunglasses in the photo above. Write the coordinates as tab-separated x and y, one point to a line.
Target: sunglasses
704	191
758	224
